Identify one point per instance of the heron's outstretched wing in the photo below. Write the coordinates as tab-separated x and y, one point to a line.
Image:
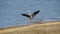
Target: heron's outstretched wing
35	13
26	15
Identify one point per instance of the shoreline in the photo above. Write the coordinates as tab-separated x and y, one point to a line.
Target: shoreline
46	28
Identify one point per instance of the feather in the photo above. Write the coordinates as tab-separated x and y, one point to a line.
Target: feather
35	13
26	15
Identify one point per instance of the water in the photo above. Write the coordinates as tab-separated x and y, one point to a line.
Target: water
11	10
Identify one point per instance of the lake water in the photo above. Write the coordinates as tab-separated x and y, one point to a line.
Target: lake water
11	10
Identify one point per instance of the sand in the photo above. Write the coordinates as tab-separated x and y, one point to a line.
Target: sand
46	28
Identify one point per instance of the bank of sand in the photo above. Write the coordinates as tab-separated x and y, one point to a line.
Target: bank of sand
46	28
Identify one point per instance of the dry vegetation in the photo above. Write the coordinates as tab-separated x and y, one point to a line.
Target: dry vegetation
46	28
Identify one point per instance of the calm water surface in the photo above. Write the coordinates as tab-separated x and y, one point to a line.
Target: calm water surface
11	10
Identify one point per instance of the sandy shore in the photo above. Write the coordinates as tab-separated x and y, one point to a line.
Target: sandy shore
46	28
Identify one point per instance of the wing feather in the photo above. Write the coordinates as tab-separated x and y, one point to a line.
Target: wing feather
26	15
35	13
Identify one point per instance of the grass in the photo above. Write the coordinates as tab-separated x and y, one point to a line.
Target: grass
45	28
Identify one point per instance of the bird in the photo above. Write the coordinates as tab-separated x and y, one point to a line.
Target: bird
32	15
